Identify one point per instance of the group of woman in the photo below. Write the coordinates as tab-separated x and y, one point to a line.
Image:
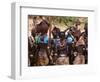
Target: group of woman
66	47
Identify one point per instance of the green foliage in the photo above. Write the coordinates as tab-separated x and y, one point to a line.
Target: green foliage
66	20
